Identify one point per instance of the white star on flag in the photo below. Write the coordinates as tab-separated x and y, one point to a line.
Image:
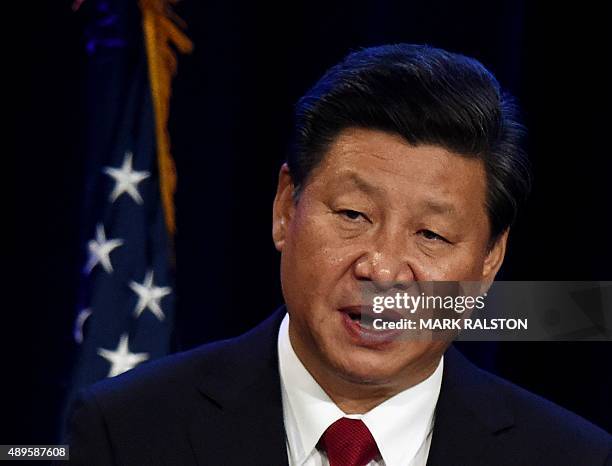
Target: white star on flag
149	296
100	249
121	359
126	179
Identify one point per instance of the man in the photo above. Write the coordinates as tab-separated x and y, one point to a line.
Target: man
405	169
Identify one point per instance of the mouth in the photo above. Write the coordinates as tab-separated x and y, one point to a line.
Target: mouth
363	324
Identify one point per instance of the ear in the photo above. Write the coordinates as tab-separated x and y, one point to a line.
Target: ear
284	207
495	258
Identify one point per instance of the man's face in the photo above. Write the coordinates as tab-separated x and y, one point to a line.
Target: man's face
377	210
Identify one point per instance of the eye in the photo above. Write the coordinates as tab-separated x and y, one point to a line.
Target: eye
351	215
432	236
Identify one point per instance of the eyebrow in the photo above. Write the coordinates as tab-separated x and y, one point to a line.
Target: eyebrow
363	185
439	207
432	205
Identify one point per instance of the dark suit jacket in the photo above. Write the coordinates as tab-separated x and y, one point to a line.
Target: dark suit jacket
220	404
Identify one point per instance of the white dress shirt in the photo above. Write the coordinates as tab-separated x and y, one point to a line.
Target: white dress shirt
402	425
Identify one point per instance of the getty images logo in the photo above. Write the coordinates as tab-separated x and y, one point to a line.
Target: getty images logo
411	302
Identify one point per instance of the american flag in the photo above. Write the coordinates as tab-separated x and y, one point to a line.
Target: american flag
127	299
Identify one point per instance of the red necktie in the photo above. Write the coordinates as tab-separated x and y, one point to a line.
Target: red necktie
348	442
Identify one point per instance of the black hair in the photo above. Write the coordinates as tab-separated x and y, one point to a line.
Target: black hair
427	96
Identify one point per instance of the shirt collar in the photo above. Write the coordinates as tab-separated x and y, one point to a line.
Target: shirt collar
399	425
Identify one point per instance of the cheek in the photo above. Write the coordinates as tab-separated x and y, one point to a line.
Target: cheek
315	240
312	263
465	264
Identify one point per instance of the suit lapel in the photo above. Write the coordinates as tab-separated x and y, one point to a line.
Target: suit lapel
469	414
245	424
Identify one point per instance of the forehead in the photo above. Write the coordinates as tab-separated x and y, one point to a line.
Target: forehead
388	163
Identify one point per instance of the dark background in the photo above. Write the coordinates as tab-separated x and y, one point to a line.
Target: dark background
230	123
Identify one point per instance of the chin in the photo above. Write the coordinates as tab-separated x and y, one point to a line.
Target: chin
365	367
371	367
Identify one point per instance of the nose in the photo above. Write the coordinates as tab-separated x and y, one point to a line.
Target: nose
385	264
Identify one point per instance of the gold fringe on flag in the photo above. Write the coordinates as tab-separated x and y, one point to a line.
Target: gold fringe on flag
163	33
